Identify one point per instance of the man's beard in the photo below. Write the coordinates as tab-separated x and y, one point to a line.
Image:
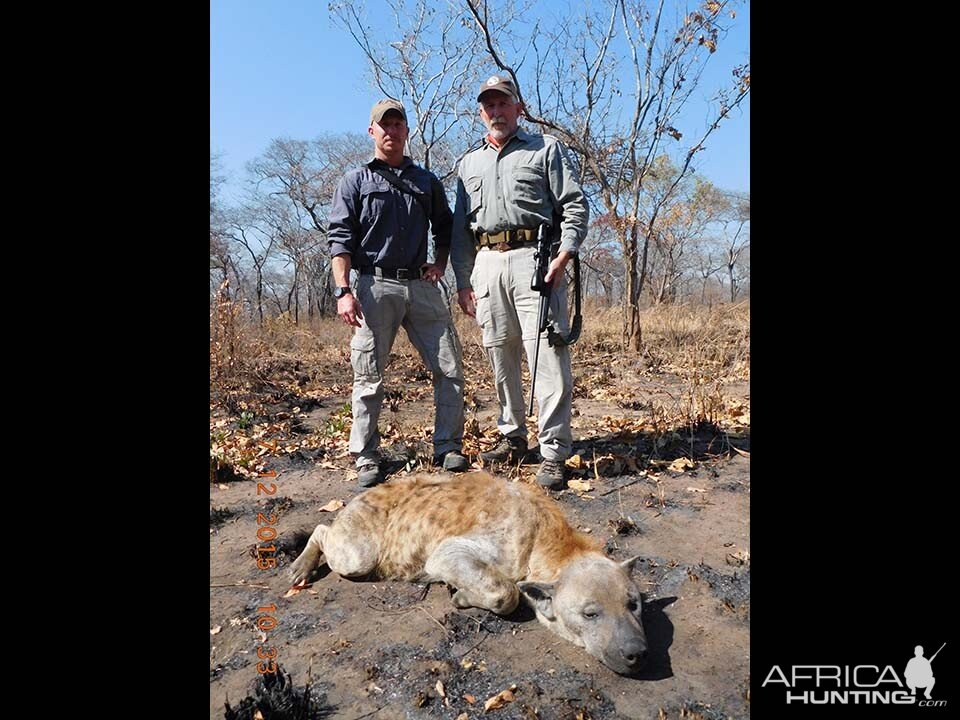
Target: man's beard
499	131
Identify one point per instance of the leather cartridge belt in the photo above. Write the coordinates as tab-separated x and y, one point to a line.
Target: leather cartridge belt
391	273
508	239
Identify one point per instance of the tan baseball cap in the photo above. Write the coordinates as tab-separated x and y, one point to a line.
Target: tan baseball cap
500	83
385	106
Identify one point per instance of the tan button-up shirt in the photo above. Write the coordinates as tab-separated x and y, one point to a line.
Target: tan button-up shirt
520	186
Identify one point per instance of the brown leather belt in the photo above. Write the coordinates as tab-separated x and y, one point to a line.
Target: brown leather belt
508	239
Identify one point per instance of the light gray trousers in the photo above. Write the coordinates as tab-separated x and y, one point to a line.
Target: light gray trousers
507	314
418	306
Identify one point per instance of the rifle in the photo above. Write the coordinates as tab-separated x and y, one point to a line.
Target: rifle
937	652
547	247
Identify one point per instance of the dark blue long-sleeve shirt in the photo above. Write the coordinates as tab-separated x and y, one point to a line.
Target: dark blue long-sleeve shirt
377	224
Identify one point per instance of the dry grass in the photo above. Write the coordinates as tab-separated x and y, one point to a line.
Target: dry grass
707	349
689	338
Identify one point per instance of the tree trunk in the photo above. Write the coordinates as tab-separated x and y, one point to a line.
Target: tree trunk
631	335
260	294
293	297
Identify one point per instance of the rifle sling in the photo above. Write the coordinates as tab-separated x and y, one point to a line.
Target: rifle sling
401	186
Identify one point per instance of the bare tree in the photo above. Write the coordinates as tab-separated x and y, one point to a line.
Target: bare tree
300	177
737	246
682	231
245	228
707	266
222	262
426	60
601	262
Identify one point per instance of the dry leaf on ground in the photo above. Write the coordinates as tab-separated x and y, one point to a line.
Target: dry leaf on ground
332	506
500	699
575	462
296	589
579	485
740	557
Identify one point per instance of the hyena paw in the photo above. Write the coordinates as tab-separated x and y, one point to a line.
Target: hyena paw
305	565
462	600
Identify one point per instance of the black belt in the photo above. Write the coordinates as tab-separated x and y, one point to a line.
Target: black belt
391	273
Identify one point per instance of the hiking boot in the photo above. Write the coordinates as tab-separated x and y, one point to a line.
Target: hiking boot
369	475
550	474
510	449
452	460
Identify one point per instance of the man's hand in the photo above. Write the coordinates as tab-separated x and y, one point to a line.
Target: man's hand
557	266
468	301
432	272
348	308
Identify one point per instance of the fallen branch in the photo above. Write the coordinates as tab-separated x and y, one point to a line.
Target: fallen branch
621	487
372	712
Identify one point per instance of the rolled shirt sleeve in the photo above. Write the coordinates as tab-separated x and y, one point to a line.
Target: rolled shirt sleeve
462	251
568	198
343	226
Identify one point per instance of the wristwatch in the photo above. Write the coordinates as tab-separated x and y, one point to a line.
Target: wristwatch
341	291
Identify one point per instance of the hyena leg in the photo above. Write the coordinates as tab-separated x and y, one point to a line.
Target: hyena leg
310	559
460	562
352	548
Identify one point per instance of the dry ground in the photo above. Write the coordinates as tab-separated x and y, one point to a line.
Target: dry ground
662	443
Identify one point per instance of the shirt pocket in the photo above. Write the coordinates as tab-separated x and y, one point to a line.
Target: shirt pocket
375	198
474	188
529	186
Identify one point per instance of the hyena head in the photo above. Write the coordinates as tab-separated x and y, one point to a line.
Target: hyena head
596	605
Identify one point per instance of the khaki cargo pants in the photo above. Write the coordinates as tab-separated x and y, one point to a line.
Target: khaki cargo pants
418	306
507	314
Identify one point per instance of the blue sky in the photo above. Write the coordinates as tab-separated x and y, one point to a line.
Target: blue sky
281	69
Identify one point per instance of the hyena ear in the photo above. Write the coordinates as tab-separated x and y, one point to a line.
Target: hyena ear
627	565
540	596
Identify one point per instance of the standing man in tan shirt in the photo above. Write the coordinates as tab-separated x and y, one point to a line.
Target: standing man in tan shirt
506	189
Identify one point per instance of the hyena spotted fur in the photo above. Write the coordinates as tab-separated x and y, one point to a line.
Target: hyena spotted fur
495	542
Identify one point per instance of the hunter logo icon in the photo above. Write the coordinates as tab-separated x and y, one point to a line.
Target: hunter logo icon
919	674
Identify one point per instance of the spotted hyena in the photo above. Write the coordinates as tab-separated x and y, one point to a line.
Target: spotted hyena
495	542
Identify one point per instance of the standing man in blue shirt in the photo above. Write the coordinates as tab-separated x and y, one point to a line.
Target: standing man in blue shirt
378	226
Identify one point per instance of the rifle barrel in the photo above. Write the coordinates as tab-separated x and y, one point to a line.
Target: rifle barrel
533	374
